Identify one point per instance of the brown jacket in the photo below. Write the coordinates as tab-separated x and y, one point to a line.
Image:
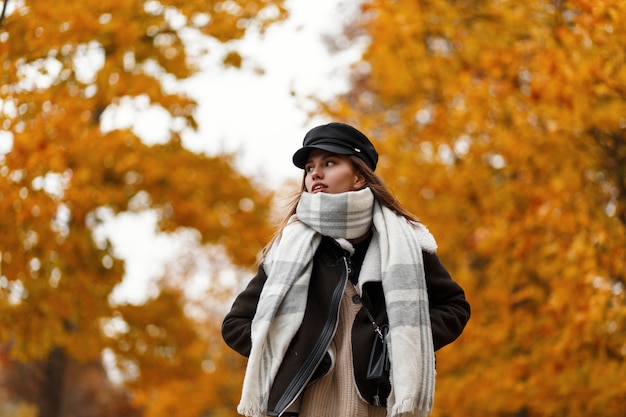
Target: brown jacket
306	358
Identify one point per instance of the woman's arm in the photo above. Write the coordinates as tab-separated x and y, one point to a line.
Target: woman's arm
449	310
237	325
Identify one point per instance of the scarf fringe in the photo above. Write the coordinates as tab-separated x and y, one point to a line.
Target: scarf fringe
408	405
251	410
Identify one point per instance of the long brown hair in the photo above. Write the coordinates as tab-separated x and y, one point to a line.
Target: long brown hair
381	193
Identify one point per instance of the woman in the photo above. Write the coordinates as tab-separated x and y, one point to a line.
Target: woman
348	258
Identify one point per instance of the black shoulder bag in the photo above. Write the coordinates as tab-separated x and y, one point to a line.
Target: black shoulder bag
378	366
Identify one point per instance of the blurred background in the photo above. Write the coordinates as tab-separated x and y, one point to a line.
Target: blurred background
145	158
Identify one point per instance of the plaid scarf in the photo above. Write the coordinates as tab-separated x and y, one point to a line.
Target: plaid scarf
394	257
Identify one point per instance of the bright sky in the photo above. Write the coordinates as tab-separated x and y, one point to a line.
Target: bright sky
255	116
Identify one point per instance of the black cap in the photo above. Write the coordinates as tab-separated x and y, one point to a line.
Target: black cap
337	138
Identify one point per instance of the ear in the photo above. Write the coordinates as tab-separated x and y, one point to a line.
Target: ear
359	181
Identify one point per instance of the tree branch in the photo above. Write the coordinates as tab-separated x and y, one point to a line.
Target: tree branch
4	9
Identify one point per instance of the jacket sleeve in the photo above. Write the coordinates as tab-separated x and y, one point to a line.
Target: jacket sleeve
449	310
237	325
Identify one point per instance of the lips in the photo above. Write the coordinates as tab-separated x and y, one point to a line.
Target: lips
318	187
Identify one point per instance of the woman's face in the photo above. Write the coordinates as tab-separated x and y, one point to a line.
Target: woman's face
327	172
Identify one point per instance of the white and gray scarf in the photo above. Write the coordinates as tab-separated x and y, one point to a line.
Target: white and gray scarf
394	257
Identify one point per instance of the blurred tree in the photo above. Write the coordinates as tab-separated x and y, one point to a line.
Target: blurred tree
67	71
502	124
186	369
90	393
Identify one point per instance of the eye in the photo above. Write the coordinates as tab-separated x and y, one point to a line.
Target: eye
330	163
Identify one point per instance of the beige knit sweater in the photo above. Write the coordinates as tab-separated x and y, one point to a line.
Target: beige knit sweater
335	395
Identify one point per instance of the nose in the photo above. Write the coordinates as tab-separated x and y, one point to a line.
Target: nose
316	172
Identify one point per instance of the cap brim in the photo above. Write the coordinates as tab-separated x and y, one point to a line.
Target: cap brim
302	155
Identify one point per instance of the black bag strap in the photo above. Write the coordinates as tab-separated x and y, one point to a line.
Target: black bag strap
374	324
371	318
